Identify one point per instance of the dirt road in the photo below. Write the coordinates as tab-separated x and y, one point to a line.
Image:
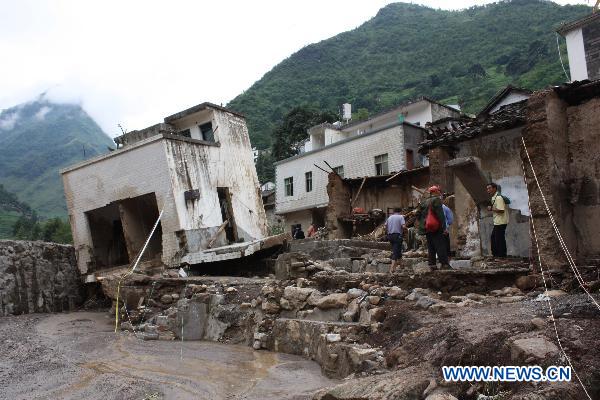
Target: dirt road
78	356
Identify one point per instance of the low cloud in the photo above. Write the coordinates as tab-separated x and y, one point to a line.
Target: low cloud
41	114
8	121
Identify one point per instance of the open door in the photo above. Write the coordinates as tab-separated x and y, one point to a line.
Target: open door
227	214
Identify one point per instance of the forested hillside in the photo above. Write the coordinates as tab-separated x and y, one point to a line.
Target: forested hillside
36	140
408	50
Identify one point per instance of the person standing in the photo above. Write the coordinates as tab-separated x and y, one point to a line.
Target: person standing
432	224
449	221
394	227
500	218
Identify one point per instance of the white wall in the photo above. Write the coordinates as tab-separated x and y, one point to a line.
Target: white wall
357	156
229	165
576	50
133	171
512	97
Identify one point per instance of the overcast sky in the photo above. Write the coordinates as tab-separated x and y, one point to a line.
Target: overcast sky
135	62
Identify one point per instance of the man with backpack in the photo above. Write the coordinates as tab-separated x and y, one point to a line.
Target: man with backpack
500	218
432	224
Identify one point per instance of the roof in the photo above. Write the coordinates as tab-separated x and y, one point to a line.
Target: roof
569	26
387	110
579	91
374	131
197	108
502	94
507	117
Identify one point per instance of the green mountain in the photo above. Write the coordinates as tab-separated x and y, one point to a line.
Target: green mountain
36	140
407	51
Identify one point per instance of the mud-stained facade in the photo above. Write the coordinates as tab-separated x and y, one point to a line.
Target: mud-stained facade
562	133
196	167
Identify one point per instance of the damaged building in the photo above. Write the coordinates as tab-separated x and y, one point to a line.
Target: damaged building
378	146
466	154
196	167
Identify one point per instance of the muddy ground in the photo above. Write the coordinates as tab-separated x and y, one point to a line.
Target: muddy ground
78	356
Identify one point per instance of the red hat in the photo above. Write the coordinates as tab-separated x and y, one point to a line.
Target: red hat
434	189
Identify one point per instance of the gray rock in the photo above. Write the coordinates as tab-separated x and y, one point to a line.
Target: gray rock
354	293
538	348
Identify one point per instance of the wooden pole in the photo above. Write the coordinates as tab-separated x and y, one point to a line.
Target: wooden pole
357	193
214	238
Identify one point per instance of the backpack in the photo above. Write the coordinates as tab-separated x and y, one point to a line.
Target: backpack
432	224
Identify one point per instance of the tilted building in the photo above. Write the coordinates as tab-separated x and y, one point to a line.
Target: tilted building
196	167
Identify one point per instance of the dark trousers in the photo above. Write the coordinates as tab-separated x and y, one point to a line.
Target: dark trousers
436	244
448	244
396	242
498	241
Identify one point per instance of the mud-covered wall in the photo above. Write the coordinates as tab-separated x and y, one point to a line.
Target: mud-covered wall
547	138
584	136
38	277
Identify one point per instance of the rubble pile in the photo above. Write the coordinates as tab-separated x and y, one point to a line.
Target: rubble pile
335	302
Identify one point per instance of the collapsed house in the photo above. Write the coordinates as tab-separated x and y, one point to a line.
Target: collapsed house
378	146
196	167
465	155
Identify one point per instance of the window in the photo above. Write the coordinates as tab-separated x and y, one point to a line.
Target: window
289	186
381	164
185	133
339	170
207	132
308	177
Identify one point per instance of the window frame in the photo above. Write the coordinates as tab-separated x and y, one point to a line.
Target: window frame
288	185
382	163
308	181
339	170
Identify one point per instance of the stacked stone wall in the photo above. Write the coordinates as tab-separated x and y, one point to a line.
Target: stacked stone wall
38	277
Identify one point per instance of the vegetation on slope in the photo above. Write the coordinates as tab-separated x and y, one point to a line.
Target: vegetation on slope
36	140
407	51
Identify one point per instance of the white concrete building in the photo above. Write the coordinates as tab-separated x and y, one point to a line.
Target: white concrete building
583	46
383	144
197	166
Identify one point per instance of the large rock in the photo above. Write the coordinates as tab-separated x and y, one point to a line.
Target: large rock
297	296
335	300
538	348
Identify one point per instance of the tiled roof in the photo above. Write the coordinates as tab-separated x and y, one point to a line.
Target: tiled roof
507	117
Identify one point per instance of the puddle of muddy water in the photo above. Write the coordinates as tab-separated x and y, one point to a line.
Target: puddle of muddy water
178	370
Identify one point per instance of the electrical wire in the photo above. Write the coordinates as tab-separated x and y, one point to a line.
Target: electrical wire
560	58
563	245
549	301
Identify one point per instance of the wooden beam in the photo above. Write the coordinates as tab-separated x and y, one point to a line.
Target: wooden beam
357	193
422	191
395	175
321	168
214	238
332	170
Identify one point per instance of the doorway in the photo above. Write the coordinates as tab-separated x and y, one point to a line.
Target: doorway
227	214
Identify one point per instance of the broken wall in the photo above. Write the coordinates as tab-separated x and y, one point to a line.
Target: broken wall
133	171
376	193
38	277
500	161
339	206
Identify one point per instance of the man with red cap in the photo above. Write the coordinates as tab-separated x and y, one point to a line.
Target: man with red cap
432	224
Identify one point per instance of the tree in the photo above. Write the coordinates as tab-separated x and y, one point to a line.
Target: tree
361	114
292	132
264	167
